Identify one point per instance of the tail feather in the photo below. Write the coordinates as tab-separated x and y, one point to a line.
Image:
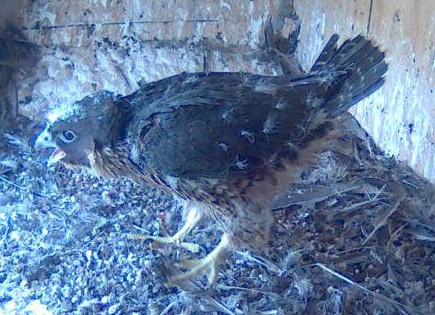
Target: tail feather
350	73
325	56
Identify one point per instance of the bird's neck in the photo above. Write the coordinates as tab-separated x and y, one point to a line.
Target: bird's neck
112	123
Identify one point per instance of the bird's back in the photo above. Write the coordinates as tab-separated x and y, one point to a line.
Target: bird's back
233	125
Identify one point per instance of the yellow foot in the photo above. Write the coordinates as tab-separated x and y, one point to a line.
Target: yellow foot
208	266
192	247
192	220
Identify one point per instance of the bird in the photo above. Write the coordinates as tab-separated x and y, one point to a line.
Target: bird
227	144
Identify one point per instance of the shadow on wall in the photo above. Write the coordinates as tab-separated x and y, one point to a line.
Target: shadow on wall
17	59
11	12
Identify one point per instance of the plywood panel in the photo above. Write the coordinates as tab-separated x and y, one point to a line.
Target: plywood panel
72	22
401	116
108	44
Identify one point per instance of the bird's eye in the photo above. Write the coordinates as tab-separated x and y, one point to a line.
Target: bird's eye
68	136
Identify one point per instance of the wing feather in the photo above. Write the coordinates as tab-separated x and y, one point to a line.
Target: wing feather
216	125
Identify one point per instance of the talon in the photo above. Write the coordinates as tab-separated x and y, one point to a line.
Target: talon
208	266
192	220
192	247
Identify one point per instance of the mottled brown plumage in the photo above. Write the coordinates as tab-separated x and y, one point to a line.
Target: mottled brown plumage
228	143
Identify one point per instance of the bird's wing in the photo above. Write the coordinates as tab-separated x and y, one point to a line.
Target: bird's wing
221	124
216	125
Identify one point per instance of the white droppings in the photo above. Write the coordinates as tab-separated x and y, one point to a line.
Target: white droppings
256	26
226	5
15	236
36	307
323	22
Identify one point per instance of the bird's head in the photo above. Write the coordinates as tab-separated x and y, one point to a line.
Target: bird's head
77	130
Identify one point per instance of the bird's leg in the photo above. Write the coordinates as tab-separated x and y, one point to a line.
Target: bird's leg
209	263
192	220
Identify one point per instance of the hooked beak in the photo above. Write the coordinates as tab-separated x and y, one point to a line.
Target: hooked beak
43	141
